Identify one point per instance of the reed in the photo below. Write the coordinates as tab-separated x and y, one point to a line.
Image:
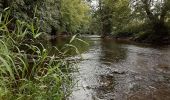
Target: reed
34	75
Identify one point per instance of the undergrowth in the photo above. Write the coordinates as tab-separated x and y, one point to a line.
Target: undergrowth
30	75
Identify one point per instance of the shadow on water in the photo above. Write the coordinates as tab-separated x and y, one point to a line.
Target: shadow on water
111	52
61	42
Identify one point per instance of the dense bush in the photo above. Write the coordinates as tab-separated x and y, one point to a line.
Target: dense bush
31	75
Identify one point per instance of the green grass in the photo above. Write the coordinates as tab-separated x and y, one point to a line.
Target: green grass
34	75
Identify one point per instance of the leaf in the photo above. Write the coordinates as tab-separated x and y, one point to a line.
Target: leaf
6	9
8	67
37	35
73	38
75	48
82	41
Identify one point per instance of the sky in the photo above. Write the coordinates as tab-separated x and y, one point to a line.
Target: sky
94	3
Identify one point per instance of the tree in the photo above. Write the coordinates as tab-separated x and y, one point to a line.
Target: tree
156	12
74	15
121	15
105	16
112	15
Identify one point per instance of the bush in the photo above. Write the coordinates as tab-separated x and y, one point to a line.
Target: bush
34	75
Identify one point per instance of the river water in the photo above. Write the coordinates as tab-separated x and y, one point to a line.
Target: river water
113	70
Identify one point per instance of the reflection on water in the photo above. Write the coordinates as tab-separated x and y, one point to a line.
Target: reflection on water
118	71
60	44
111	51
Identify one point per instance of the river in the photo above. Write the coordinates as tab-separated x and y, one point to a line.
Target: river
113	70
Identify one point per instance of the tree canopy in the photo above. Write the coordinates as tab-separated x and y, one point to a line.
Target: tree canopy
148	18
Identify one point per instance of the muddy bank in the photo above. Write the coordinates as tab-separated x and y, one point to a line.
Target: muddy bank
154	40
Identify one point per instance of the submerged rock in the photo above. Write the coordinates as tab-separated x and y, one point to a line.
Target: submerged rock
118	72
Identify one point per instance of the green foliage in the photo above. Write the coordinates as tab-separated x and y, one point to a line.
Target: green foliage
111	16
74	15
121	15
62	15
30	75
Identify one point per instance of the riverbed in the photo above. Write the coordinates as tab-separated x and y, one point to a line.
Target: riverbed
112	70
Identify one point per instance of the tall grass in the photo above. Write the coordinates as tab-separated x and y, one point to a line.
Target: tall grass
30	75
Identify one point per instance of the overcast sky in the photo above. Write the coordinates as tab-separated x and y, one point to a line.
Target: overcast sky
94	3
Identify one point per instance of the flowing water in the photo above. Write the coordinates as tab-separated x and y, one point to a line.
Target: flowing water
122	71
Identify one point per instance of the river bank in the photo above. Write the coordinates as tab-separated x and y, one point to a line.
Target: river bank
146	39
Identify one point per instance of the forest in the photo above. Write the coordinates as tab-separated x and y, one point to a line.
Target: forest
46	44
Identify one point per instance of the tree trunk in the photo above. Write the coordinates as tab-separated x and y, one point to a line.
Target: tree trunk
158	25
101	15
1	6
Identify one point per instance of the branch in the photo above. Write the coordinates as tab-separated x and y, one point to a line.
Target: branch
147	9
164	11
